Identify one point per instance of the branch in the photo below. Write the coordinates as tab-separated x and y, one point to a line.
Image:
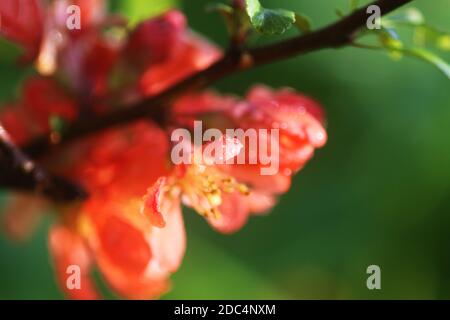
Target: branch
333	36
20	173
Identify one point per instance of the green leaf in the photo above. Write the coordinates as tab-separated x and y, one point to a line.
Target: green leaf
269	21
424	34
429	57
139	10
390	41
303	23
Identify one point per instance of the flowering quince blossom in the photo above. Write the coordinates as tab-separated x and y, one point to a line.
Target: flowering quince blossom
131	226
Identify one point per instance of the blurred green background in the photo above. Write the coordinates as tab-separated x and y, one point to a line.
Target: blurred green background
378	193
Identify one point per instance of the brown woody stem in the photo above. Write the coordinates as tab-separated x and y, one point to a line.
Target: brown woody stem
336	35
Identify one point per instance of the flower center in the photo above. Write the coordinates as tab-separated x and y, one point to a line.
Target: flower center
202	188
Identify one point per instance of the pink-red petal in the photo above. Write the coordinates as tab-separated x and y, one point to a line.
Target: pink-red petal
68	248
152	206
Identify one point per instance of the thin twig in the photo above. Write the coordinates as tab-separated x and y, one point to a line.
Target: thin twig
333	36
21	173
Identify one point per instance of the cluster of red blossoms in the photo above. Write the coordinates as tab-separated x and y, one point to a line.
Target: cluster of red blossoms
131	226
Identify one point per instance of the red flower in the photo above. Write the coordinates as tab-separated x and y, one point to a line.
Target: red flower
164	52
22	21
156	40
134	257
131	227
299	121
41	31
68	248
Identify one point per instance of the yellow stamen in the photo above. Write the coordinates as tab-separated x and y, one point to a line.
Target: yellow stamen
203	187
